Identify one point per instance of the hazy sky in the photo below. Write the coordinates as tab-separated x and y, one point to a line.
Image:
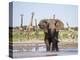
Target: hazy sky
66	13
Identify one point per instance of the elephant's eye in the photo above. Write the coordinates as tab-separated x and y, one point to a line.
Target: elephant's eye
38	24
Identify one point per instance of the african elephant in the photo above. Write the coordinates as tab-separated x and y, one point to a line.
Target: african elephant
51	29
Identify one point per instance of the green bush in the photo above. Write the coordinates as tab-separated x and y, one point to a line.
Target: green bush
40	35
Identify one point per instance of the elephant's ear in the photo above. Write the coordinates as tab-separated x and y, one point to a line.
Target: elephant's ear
59	25
46	23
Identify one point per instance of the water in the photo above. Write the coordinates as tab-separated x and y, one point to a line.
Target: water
41	51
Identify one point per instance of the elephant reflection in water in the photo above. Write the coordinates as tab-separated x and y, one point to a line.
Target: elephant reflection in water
51	29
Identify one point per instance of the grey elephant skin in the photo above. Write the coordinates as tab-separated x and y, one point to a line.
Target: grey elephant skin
51	29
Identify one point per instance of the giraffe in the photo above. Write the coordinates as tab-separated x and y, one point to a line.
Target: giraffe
31	22
36	29
30	26
21	25
21	30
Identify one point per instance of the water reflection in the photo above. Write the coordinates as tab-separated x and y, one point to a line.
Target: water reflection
41	51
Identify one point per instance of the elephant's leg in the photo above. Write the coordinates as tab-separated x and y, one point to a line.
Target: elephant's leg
56	46
56	41
47	45
53	45
47	42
